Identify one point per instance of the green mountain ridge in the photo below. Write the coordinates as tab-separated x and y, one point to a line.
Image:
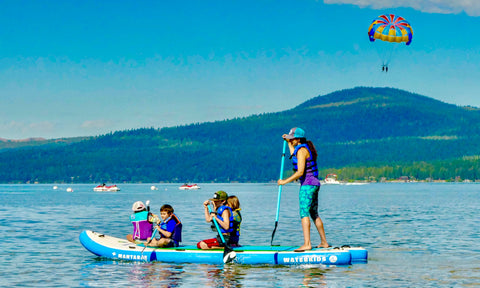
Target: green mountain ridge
359	127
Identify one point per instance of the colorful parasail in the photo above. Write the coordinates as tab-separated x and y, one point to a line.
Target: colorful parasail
390	28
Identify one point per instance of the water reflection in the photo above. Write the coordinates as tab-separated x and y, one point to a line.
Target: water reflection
159	275
313	277
104	273
223	276
269	276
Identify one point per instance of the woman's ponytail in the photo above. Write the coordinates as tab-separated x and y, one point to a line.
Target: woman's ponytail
312	148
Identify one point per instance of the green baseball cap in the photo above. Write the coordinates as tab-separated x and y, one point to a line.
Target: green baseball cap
219	196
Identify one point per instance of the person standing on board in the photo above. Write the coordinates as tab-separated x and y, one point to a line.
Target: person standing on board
304	158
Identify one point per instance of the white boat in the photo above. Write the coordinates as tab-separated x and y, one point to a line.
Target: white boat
189	187
331	179
105	188
356	183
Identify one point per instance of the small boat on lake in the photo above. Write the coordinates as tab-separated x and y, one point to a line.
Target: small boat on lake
331	179
121	249
105	188
189	187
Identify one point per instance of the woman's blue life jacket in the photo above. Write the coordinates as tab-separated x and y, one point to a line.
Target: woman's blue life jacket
142	228
237	220
177	231
310	165
219	215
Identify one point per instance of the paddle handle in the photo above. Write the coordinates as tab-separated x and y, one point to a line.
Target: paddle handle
153	234
217	226
279	191
151	238
280	177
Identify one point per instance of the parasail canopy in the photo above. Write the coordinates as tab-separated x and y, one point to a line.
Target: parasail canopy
390	28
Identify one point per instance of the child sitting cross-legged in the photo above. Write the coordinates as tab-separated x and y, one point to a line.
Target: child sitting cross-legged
169	228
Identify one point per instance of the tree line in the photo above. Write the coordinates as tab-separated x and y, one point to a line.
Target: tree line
361	133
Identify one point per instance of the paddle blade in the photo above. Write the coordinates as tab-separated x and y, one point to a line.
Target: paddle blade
273	233
229	256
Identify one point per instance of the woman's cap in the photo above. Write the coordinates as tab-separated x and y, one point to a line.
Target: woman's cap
138	206
219	196
295	133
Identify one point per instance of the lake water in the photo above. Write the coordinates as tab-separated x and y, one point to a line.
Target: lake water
417	235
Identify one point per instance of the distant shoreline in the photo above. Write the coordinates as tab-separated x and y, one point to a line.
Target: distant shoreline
271	182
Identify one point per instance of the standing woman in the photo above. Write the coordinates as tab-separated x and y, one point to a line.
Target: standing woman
304	158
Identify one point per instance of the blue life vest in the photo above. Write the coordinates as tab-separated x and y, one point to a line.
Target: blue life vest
235	234
177	232
219	215
176	235
310	165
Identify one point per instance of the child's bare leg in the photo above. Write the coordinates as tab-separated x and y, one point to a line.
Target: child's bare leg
151	242
203	245
163	242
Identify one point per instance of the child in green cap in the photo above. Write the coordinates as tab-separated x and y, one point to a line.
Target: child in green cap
224	216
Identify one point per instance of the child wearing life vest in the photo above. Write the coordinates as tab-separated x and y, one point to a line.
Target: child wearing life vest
169	228
224	216
141	221
234	203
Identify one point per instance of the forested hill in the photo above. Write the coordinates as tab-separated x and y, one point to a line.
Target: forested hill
360	127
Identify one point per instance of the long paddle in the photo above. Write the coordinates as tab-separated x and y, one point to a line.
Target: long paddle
279	191
228	254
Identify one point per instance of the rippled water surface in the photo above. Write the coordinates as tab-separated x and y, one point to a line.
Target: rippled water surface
417	235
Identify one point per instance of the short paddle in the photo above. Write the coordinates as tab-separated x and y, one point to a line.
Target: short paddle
279	191
151	238
228	254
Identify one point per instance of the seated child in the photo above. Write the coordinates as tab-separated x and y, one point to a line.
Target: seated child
234	203
141	220
169	228
224	216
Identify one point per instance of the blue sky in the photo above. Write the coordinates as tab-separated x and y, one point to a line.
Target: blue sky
85	68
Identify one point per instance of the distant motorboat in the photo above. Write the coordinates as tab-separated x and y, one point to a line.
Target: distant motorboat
356	183
105	188
69	189
189	187
153	187
331	179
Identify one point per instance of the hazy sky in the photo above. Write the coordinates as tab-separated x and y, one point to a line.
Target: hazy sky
85	68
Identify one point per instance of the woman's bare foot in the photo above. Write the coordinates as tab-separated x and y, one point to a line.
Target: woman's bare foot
303	248
321	245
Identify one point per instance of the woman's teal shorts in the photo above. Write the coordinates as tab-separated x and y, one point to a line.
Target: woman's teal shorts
308	200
